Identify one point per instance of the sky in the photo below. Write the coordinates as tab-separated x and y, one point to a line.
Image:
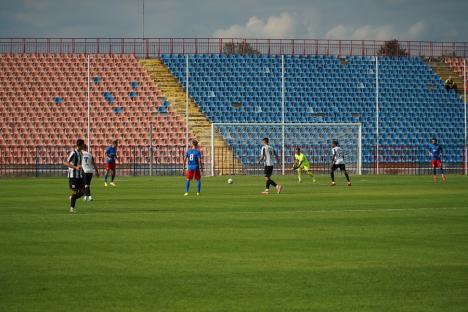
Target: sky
426	20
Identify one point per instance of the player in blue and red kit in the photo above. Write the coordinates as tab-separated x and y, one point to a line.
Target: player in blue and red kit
193	160
111	156
435	151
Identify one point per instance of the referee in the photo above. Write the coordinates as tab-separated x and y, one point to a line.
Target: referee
75	173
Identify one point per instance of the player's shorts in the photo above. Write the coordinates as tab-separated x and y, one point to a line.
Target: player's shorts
436	163
110	166
342	167
75	184
191	174
305	168
87	177
268	171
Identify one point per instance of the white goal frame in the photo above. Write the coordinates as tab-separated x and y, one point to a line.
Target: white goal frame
283	125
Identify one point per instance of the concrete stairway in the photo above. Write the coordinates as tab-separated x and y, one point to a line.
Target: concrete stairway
199	125
444	71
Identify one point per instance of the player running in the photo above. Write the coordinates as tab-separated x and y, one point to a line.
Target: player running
338	163
435	151
193	160
111	157
89	167
75	174
302	163
266	155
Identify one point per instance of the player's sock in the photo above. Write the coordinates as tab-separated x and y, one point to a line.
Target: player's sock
347	176
273	183
332	175
113	176
74	197
105	176
267	185
299	174
187	186
87	191
72	201
198	186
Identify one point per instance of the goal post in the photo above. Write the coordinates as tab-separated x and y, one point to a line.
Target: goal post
244	140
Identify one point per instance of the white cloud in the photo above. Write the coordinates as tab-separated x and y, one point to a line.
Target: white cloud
366	32
337	32
384	32
285	25
418	30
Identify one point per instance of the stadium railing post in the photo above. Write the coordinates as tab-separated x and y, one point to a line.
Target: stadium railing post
37	162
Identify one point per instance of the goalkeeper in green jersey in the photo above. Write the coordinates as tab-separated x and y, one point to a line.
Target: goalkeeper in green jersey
302	163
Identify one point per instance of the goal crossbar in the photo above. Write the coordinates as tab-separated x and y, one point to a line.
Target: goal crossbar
358	125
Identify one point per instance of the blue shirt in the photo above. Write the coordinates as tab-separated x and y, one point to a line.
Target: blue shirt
111	153
436	151
193	156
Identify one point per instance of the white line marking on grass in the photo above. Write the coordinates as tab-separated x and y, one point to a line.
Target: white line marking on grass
349	210
268	211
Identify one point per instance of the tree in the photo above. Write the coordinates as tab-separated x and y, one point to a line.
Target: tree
392	48
242	48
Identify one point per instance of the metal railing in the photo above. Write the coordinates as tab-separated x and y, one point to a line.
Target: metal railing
154	47
45	161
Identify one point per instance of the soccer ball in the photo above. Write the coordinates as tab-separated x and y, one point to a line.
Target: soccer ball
230	181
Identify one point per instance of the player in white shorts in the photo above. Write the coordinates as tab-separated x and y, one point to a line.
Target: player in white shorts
89	166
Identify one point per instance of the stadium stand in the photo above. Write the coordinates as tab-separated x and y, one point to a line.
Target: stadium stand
413	102
456	64
43	101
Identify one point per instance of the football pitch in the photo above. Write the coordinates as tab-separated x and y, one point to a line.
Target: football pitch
388	243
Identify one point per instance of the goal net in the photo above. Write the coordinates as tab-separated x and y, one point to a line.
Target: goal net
240	151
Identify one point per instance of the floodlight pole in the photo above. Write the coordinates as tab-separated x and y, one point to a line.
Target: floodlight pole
282	116
89	110
359	155
377	113
186	101
464	101
151	149
143	22
212	151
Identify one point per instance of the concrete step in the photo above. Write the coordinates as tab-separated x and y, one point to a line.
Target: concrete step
444	71
198	124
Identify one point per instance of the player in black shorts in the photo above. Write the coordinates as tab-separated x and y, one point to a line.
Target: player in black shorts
88	166
266	156
75	173
338	163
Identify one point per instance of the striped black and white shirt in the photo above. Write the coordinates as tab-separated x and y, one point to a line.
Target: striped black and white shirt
75	158
268	153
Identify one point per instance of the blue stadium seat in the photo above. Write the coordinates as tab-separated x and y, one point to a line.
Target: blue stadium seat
322	84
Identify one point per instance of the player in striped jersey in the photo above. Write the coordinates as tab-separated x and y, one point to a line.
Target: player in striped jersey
338	163
266	155
75	173
89	167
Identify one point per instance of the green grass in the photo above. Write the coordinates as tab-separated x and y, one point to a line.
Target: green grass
393	243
